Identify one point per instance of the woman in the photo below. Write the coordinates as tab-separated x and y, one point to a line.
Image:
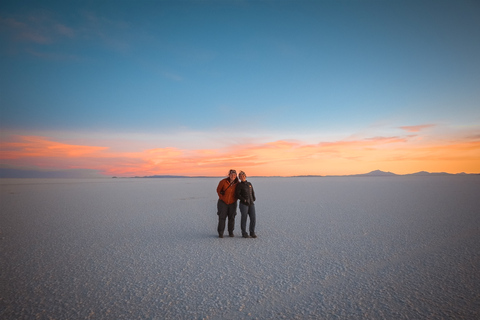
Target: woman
246	195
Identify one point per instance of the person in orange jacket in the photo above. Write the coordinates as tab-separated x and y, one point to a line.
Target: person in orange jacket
227	203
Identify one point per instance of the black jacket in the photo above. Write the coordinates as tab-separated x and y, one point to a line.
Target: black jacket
245	193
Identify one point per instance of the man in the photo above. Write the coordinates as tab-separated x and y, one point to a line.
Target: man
227	203
246	195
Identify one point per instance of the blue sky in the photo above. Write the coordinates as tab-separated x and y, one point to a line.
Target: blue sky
213	74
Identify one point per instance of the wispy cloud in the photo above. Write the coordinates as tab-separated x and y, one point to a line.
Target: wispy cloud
41	30
38	29
112	34
37	35
33	146
25	31
417	128
64	30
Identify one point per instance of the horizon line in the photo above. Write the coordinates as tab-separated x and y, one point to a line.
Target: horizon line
70	174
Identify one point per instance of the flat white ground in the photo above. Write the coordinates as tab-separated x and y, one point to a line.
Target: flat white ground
327	248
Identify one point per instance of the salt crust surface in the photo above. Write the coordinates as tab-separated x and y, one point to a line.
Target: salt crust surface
327	248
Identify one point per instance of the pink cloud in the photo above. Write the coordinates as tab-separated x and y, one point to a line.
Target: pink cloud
417	128
281	157
33	146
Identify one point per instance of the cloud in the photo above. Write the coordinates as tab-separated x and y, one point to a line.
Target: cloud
33	146
417	128
23	31
35	35
38	29
97	27
64	30
44	30
400	154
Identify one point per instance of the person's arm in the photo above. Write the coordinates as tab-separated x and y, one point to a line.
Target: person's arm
238	193
219	188
253	194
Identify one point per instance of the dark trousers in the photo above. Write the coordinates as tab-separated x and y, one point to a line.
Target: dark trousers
226	211
247	211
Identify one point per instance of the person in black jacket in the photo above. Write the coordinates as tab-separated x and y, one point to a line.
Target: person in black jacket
245	193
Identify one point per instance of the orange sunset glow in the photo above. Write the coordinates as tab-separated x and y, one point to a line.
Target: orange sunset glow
398	154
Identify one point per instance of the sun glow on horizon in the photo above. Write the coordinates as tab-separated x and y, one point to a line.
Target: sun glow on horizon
400	154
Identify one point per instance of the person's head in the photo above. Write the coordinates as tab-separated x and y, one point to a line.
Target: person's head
242	176
232	174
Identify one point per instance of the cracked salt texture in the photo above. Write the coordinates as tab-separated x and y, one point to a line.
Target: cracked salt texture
328	248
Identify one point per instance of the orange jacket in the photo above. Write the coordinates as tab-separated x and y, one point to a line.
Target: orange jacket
228	195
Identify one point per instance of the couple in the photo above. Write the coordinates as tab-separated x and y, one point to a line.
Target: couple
229	190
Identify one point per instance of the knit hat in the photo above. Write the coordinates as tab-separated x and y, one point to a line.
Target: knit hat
232	171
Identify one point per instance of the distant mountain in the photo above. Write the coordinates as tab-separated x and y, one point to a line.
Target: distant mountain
425	173
376	173
420	173
379	173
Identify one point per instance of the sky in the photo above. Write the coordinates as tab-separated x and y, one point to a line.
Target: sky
273	88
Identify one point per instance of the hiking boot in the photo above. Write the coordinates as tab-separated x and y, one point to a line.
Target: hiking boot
230	234
253	235
245	235
220	235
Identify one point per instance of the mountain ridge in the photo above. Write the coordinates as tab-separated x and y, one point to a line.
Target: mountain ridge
374	173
